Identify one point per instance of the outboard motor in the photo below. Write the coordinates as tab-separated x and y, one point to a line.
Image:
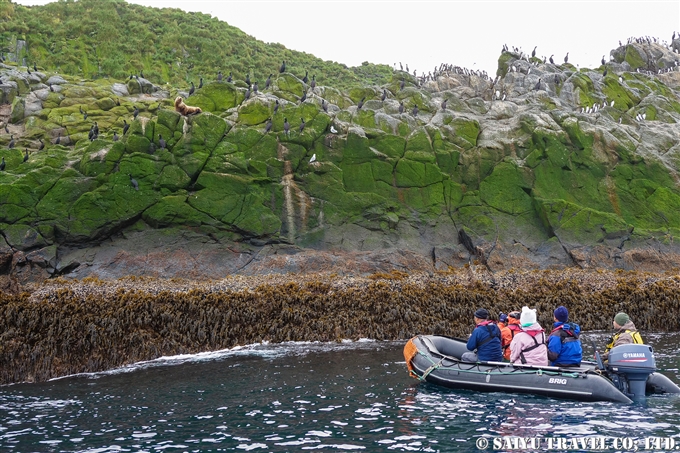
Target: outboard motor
634	363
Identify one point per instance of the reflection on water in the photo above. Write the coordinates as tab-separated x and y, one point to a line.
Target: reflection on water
339	396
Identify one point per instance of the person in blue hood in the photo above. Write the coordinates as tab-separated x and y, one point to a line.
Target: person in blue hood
485	338
564	346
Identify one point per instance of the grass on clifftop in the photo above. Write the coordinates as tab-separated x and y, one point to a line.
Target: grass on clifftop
111	38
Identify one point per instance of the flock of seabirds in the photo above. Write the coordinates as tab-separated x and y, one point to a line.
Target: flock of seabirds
443	70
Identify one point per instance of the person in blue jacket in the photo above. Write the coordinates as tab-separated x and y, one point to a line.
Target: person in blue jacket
485	338
564	346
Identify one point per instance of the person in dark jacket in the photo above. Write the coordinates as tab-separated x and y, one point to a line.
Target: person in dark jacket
485	338
564	346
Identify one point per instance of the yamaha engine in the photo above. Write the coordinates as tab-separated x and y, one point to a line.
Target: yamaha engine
630	365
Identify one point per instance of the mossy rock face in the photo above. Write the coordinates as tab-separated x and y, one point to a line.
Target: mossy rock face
467	130
101	157
170	119
408	173
216	97
16	202
17	112
173	178
207	130
508	189
253	111
288	83
358	177
61	197
173	210
137	144
24	237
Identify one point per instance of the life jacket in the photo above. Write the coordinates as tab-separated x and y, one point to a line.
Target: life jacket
532	334
566	335
635	335
489	327
514	328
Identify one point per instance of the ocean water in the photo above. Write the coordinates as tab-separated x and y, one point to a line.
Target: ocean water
353	396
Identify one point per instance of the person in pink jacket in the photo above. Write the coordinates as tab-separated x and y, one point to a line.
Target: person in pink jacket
529	345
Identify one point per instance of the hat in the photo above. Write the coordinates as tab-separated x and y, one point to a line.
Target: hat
482	313
514	314
621	318
561	313
503	317
528	316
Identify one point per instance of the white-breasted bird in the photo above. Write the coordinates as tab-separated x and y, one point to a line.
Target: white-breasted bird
333	130
313	159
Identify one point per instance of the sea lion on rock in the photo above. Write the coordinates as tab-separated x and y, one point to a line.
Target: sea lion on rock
184	109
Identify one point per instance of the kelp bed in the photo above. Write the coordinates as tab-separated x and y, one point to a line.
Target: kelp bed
64	327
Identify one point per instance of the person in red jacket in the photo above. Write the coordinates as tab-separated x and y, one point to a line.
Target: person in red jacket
509	331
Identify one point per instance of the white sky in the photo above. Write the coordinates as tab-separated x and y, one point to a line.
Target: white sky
424	34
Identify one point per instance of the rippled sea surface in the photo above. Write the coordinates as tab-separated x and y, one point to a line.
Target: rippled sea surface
302	396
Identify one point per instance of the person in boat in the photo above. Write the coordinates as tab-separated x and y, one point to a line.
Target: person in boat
509	331
529	346
624	333
485	338
564	345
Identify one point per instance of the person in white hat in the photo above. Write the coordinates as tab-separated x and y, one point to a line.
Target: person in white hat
528	347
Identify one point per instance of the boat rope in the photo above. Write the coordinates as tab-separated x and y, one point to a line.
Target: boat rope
433	367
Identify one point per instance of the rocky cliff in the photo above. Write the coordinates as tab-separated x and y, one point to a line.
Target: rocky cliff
547	166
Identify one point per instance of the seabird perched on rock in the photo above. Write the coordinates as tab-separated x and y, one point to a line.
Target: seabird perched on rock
26	155
384	95
268	126
135	113
401	85
324	106
200	84
35	67
10	145
612	103
415	110
282	69
276	107
6	129
2	164
286	126
361	103
247	93
219	76
566	57
255	87
551	59
90	135
141	74
302	125
304	97
80	109
95	128
444	104
313	83
152	147
126	126
538	85
192	89
248	80
620	79
42	145
161	141
229	77
313	159
401	107
533	52
305	79
268	82
115	136
133	181
333	130
604	74
58	140
84	116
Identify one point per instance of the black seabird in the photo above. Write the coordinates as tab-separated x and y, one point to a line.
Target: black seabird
58	140
229	78
10	145
276	107
126	126
401	85
313	84
136	112
566	57
2	164
401	107
538	85
286	126
255	87
192	89
219	76
384	95
324	106
302	125
304	97
248	80
444	104
115	136
85	116
152	148
268	82
133	181
95	128
282	69
268	126
533	52
551	59
200	84
305	79
415	110
603	62
42	145
161	141
361	103
247	93
26	155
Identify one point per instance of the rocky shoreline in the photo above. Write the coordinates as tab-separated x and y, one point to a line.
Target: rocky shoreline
62	327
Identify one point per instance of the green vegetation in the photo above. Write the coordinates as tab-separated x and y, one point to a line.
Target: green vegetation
111	38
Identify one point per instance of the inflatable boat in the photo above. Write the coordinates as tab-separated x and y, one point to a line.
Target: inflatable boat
630	373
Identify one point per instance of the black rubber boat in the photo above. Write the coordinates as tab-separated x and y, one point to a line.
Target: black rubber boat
629	374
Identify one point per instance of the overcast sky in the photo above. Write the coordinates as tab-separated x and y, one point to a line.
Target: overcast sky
424	34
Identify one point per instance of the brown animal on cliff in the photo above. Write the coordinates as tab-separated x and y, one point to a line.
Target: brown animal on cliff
184	109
